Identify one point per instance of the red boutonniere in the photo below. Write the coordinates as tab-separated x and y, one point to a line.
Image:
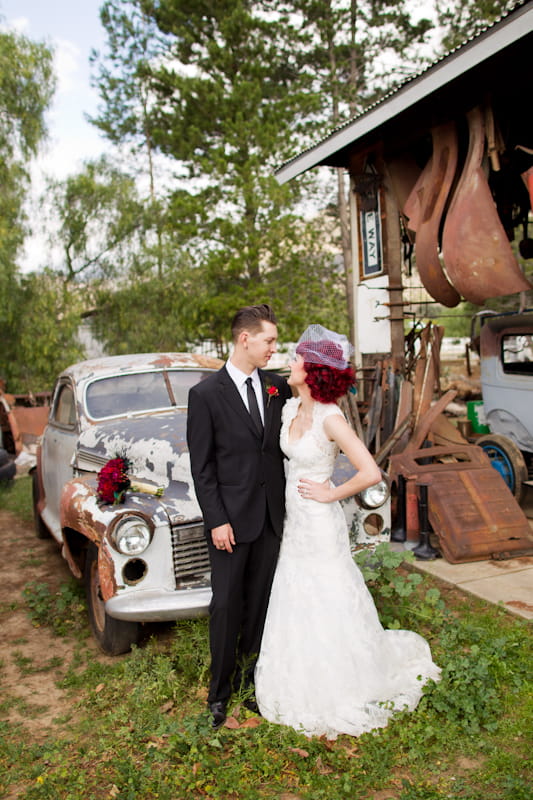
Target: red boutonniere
272	391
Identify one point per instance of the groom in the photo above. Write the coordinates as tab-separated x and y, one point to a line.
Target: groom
233	426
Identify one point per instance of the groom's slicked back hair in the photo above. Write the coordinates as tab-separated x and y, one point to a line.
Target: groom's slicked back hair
251	318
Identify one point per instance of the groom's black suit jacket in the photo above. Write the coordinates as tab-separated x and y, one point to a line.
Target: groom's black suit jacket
237	473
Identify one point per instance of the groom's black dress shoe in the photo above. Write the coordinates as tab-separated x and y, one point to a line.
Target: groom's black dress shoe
218	713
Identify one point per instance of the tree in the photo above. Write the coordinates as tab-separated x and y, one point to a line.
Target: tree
226	91
462	19
26	88
122	78
47	340
101	219
226	95
332	47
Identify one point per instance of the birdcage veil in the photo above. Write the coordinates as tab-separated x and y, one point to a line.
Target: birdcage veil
318	345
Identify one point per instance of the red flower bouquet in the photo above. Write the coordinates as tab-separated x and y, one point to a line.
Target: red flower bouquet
113	481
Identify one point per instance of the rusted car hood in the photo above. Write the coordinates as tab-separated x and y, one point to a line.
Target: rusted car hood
156	448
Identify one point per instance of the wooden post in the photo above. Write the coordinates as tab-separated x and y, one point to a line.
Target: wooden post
392	245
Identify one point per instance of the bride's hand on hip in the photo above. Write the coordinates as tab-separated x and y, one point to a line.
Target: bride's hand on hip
311	490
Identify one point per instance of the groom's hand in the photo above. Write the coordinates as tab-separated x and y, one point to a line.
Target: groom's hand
223	538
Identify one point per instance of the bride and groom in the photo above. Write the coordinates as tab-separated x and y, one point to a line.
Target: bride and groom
284	583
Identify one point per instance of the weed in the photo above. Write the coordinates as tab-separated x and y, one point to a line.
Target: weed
400	595
64	611
31	561
27	667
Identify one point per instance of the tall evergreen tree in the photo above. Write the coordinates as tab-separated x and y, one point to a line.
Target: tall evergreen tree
462	19
227	97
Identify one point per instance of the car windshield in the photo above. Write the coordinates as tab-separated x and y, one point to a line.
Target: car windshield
143	391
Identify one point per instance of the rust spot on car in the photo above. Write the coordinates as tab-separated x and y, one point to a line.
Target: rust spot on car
76	514
106	573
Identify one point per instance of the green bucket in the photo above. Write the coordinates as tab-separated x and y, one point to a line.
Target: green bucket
476	415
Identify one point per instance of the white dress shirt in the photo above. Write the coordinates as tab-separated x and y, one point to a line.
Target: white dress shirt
239	379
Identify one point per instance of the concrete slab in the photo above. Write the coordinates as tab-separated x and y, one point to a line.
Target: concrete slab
516	594
509	582
475	570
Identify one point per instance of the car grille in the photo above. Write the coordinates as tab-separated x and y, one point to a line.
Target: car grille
190	556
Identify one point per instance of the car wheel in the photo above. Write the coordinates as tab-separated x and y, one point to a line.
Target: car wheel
41	531
114	636
507	459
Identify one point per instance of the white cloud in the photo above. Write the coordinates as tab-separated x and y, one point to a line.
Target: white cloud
19	24
67	65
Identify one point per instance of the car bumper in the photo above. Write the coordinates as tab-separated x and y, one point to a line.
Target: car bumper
156	605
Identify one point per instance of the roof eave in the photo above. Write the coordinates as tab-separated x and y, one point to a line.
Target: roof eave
469	55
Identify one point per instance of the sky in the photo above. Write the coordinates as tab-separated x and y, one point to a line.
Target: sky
72	28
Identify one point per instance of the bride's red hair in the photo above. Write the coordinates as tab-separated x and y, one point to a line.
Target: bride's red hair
326	383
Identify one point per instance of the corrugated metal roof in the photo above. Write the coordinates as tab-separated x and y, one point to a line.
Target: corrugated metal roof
509	28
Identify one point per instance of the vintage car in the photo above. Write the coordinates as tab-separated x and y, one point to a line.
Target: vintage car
505	347
143	556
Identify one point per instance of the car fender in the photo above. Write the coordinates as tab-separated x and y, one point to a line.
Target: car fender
81	513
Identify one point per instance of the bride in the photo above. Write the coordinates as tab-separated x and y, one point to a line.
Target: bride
326	665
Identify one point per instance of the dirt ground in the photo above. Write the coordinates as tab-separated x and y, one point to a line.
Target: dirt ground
32	659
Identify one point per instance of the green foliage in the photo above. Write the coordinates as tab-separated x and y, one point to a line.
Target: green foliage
462	19
152	315
458	321
16	498
100	214
64	611
398	593
475	669
140	727
26	86
46	348
225	233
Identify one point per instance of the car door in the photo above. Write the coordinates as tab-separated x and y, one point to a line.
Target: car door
57	448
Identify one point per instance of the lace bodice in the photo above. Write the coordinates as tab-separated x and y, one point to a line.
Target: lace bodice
313	454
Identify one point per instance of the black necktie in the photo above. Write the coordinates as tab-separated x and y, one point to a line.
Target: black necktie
252	405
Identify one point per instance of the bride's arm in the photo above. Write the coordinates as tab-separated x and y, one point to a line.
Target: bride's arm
368	472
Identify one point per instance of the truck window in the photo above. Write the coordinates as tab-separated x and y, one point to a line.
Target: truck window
517	353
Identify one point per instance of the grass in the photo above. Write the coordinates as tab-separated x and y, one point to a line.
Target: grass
15	496
139	728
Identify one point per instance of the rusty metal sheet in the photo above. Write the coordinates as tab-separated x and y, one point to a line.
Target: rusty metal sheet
403	174
31	421
471	509
412	208
433	199
477	254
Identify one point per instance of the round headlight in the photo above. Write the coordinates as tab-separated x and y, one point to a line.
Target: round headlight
131	536
375	496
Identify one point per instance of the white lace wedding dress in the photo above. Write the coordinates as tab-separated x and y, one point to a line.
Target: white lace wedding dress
326	665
